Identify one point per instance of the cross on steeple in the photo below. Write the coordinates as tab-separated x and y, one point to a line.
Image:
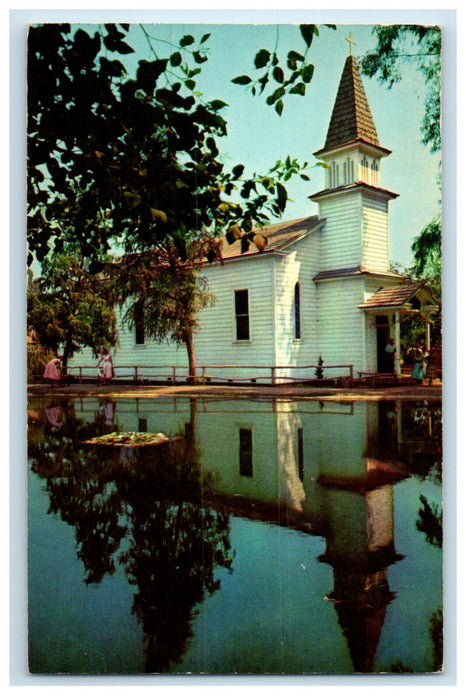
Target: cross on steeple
351	42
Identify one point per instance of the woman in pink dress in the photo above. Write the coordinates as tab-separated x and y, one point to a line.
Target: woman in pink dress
53	371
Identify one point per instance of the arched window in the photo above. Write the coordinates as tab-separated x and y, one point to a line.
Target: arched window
348	172
297	311
139	328
365	169
335	175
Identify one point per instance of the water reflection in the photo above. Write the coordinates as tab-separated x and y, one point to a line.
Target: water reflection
328	470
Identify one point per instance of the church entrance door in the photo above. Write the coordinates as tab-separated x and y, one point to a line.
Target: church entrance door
383	335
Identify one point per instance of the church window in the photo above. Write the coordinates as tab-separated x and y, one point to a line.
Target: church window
297	311
335	174
242	314
348	172
139	329
374	173
365	169
245	452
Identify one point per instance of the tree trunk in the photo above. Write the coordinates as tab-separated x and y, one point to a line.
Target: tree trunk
189	340
66	354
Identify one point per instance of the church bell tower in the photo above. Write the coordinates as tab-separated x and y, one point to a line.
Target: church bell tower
353	202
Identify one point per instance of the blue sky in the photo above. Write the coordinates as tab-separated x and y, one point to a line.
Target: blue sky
257	136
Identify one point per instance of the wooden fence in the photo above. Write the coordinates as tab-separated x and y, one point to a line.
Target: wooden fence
218	374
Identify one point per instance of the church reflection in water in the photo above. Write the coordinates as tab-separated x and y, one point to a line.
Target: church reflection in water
326	469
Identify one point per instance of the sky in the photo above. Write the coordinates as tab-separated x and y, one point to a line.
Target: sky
258	137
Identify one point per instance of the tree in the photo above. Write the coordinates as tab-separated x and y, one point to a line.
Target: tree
133	162
138	152
164	291
291	79
68	307
419	45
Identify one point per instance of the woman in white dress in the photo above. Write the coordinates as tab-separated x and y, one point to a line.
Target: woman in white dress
106	373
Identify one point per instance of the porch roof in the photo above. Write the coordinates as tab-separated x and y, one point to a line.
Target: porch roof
395	297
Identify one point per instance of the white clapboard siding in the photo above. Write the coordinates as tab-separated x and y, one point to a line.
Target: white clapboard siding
300	265
341	237
215	341
375	234
341	322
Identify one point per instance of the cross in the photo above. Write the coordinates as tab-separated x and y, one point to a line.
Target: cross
351	42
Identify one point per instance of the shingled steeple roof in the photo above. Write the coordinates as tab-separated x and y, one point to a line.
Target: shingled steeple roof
351	118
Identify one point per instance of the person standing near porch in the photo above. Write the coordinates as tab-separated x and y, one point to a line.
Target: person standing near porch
390	351
417	372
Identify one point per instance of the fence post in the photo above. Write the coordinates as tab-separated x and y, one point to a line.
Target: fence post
203	375
174	375
272	375
136	373
351	375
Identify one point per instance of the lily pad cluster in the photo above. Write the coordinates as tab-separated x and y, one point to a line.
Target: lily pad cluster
131	439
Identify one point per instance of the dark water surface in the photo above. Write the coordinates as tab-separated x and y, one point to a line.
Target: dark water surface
282	537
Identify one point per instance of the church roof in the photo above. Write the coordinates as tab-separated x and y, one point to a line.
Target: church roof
351	118
278	236
352	272
395	296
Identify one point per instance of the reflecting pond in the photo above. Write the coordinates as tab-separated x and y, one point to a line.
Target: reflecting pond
262	537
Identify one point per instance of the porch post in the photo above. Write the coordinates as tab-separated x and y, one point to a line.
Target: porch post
397	343
427	336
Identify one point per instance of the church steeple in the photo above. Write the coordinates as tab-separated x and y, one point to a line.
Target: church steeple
352	149
351	118
353	203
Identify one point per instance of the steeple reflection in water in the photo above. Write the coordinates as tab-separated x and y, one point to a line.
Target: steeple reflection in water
181	524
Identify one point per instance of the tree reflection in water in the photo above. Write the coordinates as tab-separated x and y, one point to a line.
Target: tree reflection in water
150	512
147	504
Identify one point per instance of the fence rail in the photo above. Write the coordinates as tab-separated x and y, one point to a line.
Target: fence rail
174	374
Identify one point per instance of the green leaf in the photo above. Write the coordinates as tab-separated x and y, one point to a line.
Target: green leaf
278	74
238	171
199	58
241	80
295	56
175	58
282	196
262	58
204	38
215	105
187	40
299	89
307	32
307	73
279	107
279	92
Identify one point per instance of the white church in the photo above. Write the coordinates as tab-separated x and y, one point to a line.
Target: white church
321	288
